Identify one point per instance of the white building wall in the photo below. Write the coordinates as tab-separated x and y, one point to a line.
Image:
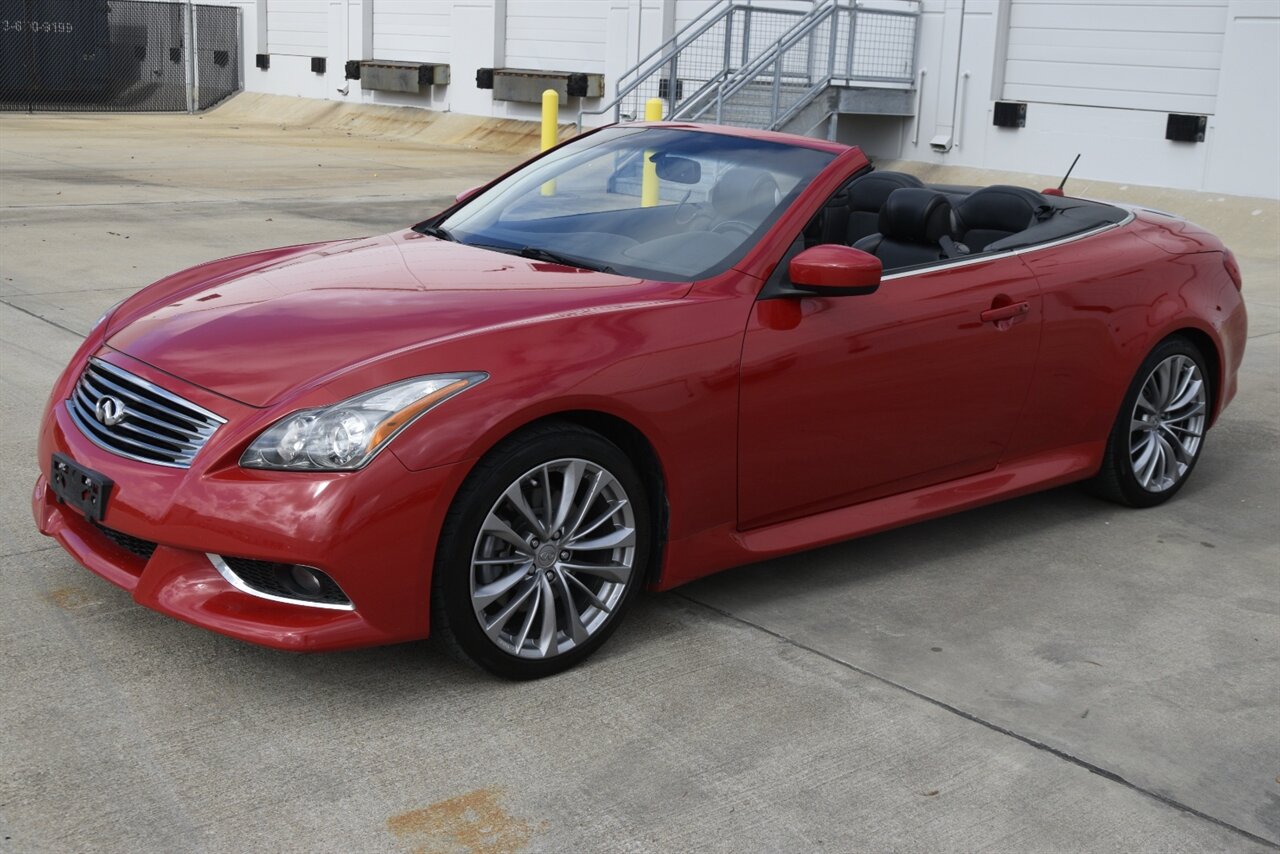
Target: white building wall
598	36
1220	59
1241	157
1099	76
687	10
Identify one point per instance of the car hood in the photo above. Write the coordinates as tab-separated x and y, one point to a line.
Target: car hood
256	333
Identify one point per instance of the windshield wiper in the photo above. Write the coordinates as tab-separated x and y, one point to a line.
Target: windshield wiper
537	253
437	231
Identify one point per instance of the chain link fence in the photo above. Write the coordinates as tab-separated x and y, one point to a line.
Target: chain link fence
117	55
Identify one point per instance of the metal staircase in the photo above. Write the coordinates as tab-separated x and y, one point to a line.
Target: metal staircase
751	65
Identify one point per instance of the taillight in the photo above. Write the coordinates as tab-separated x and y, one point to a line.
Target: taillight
1233	268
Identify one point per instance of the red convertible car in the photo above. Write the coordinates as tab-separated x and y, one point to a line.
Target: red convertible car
651	353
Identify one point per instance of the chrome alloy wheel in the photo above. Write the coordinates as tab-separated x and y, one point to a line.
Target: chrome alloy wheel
553	558
1167	424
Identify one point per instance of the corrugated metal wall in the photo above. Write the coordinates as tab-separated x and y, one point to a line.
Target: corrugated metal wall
413	30
298	27
557	34
1161	55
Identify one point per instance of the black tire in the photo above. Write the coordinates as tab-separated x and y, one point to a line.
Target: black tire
1116	481
454	619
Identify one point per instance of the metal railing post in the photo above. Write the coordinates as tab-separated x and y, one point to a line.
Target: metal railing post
831	48
853	34
189	30
239	54
777	87
808	57
728	43
746	35
671	84
915	45
659	58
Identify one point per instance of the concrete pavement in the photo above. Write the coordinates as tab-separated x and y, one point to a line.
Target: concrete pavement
1048	674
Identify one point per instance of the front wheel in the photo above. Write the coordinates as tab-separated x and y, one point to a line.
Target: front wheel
545	547
1159	434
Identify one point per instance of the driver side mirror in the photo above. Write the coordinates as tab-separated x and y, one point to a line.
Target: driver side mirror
832	270
466	194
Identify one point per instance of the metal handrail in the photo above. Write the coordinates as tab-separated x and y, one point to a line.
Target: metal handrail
771	57
720	81
661	62
674	46
675	39
749	68
821	71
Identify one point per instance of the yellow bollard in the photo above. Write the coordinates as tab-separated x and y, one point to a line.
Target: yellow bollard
649	183
550	125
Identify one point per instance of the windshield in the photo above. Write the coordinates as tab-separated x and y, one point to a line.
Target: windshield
658	203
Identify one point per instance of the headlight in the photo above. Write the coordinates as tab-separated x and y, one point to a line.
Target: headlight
347	435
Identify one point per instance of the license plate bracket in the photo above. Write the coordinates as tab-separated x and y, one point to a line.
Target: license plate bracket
81	488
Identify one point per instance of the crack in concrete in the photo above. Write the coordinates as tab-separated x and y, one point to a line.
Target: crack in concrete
29	552
994	727
53	323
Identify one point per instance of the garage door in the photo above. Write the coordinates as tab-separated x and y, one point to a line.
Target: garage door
298	27
557	35
1159	55
412	30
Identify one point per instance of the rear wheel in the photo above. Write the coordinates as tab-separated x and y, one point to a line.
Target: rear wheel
1159	434
545	547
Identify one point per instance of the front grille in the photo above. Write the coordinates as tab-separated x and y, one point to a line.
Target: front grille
276	579
134	545
150	424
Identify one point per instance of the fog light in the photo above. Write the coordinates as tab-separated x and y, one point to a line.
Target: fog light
306	580
282	582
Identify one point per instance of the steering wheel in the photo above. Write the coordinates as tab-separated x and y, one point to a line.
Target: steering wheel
690	212
733	225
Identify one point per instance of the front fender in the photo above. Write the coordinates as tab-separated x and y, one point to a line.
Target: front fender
668	369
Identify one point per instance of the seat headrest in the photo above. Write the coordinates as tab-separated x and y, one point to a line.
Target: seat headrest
1001	208
745	192
870	192
915	215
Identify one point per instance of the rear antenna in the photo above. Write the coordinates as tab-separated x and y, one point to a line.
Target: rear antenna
1058	191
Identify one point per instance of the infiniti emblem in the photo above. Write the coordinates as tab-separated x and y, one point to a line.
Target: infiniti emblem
109	410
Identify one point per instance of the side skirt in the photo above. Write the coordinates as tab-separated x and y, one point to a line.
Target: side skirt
720	548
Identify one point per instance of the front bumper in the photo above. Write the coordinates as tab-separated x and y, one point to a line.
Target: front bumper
373	531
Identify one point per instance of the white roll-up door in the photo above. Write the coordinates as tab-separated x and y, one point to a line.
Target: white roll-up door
557	35
298	27
413	30
1161	55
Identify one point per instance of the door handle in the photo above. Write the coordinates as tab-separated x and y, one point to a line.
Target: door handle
1005	312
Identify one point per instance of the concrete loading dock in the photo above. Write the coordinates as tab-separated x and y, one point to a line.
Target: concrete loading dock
1051	673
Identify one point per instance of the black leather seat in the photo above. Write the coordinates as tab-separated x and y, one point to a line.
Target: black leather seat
853	212
866	196
912	223
993	213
